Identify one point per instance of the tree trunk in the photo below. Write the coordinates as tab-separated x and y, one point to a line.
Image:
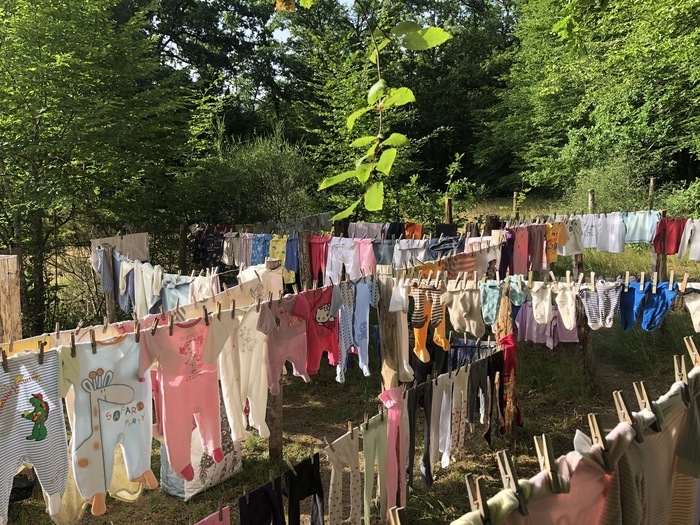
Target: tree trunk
36	295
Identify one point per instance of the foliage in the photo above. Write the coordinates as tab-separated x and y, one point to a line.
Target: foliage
683	201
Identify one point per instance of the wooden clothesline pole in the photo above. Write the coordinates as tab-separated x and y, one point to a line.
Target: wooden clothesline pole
585	335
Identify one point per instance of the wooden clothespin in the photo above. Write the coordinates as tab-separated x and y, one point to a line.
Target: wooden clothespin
205	315
552	276
245	494
225	289
545	457
314	284
684	283
381	412
529	279
671	279
579	281
257	306
599	439
154	326
655	282
520	283
269	298
593	281
42	344
77	328
328	444
627	281
72	344
233	308
477	497
568	278
291	467
5	366
625	415
93	343
58	329
218	310
642	397
641	282
680	369
105	324
221	510
137	331
366	421
692	350
510	479
350	430
312	452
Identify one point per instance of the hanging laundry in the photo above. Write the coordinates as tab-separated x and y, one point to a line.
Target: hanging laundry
314	307
245	250
365	261
490	300
374	450
305	269
395	230
263	506
446	230
574	238
657	305
690	240
521	250
123	414
221	517
691	299
556	236
462	262
551	334
413	230
541	294
302	484
460	392
291	261
536	244
671	231
395	464
421	396
367	230
31	415
441	433
566	304
640	225
207	248
345	452
384	250
507	244
278	250
600	305
517	289
444	246
398	305
410	252
260	248
687	452
175	289
632	304
341	253
205	286
611	233
230	248
135	245
590	225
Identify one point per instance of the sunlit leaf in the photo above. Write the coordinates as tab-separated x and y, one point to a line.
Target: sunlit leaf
346	212
386	161
364	171
399	97
376	91
357	114
425	38
374	196
361	142
404	28
335	179
397	140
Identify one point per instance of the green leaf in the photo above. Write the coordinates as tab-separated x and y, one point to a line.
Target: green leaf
374	196
386	161
335	179
397	140
306	3
399	97
362	141
425	38
380	46
404	28
346	212
376	91
364	171
357	114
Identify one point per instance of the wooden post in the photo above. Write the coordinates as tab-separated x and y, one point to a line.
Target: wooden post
275	423
448	210
585	335
652	186
182	253
516	211
661	265
10	312
110	303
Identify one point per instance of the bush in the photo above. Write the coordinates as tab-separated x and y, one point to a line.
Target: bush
682	201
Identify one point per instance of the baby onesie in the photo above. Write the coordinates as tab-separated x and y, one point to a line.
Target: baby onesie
611	233
366	296
364	258
343	302
566	303
398	304
641	225
691	236
189	387
113	408
286	340
260	248
383	250
490	300
691	299
314	306
341	252
602	305
395	464
517	291
374	451
33	429
345	452
455	299
589	224
541	302
574	238
474	317
632	304
657	306
318	252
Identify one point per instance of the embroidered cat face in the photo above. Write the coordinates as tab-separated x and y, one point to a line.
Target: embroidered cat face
323	314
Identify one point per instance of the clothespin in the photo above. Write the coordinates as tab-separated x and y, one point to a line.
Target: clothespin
477	498
72	344
671	279
233	308
568	278
295	289
520	283
225	288
599	439
154	326
218	310
272	480
105	324
93	343
41	352
350	430
205	314
545	457
655	282
312	452
245	494
552	276
641	281
475	275
580	280
684	283
171	324
381	413
58	329
257	306
137	331
642	397
627	281
5	366
328	444
498	278
191	519
593	281
257	275
291	467
366	421
221	510
680	369
529	279
625	415
269	298
692	350
510	479
77	328
314	284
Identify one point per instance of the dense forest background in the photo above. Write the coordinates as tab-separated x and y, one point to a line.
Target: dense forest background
139	115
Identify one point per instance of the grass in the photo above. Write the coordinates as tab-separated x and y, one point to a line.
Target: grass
554	395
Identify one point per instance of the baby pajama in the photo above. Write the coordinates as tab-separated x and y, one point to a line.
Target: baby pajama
566	303
459	408
657	306
602	305
395	465
343	302
632	304
189	387
345	452
245	250
112	407
341	251
364	258
286	340
490	300
263	506
260	248
442	410
314	306
399	305
541	302
318	250
374	451
384	251
420	396
305	483
366	295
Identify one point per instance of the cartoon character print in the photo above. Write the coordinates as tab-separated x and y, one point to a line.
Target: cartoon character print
189	349
323	315
38	415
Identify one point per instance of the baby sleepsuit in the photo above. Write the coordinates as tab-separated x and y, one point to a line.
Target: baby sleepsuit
314	306
345	451
33	430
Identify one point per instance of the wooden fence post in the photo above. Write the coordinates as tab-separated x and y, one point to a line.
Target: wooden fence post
652	186
516	211
448	210
182	252
585	335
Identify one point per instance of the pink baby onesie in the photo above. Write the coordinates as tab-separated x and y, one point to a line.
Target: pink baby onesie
314	306
222	517
189	387
286	340
393	400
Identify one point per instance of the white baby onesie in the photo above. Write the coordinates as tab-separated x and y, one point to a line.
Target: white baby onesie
566	302
345	451
542	302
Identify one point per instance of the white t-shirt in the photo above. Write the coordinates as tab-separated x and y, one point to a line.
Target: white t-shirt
589	223
574	241
641	225
611	233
